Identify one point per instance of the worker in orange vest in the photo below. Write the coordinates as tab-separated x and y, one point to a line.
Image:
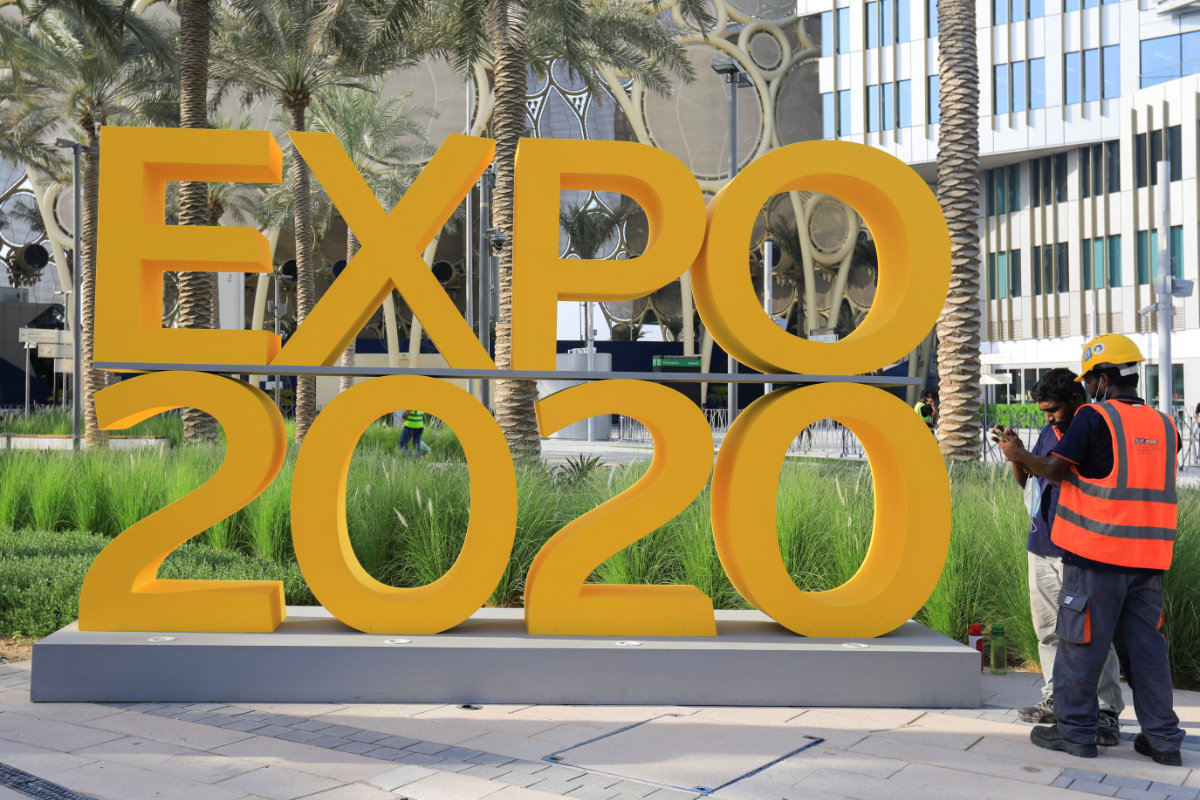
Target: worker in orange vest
1116	521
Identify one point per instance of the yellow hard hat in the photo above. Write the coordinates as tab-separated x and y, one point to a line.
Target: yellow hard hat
1108	350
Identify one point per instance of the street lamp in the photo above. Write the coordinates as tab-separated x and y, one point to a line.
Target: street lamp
77	292
737	79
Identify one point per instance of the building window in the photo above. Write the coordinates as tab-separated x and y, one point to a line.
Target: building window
1169	57
1101	262
1072	78
1050	269
1112	166
1060	178
1037	8
843	113
872	108
999	12
1091	74
828	116
933	108
872	25
887	12
888	90
1003	189
1099	169
842	27
1111	68
1148	151
903	21
1035	182
826	34
1037	83
904	104
931	19
1004	274
1147	254
1000	89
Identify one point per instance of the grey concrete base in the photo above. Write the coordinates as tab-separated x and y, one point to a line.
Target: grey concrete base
490	659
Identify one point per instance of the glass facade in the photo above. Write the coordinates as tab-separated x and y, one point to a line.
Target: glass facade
1147	254
1168	57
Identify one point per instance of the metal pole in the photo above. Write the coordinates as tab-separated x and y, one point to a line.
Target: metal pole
468	260
732	79
1163	289
276	313
27	379
591	365
768	291
77	302
483	305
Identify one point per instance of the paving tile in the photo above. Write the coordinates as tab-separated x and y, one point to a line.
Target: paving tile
368	736
520	793
597	779
279	783
354	791
1025	768
495	760
272	730
38	760
503	744
244	725
634	789
1175	792
112	780
398	742
557	772
314	760
285	719
1131	783
1140	794
444	786
357	747
553	786
920	777
387	753
50	734
199	737
65	712
670	794
300	736
303	710
325	740
311	725
486	771
1091	787
520	778
401	776
1062	782
822	757
428	748
592	793
422	759
1084	775
170	759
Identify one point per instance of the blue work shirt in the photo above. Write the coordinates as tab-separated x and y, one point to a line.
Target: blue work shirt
1040	523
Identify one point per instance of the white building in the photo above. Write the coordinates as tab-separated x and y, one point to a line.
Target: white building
1078	101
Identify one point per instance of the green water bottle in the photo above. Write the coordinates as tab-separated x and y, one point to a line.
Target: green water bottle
999	648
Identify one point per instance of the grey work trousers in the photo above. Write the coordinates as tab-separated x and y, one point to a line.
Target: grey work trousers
1099	609
1045	585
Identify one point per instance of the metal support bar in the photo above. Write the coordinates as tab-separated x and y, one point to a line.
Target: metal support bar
507	374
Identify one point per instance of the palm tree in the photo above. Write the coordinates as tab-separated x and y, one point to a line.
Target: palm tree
94	76
197	290
631	37
290	51
959	431
385	139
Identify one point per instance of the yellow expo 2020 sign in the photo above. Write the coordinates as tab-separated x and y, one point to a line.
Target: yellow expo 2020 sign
912	497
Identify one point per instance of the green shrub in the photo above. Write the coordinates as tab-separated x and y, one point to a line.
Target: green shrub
41	574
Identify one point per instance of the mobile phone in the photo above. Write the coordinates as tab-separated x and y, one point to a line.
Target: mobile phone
998	432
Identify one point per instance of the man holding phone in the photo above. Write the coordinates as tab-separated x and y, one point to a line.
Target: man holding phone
1058	396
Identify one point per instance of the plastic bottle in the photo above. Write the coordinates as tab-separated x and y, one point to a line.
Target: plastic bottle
975	640
999	648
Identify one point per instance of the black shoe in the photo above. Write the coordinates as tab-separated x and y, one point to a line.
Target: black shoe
1042	712
1170	758
1050	738
1109	732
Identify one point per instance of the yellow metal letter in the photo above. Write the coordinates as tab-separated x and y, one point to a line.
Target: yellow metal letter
910	235
121	591
322	540
654	179
135	247
911	533
557	601
390	258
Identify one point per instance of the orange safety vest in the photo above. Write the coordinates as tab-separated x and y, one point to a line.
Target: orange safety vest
1126	518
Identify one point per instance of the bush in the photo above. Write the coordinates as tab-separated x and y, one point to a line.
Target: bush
41	574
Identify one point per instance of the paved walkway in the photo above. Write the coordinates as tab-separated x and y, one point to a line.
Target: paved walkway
247	751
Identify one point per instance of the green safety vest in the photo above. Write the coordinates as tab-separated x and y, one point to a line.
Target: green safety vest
414	419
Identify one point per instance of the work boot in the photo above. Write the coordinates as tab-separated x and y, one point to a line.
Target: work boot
1109	732
1171	758
1051	738
1042	712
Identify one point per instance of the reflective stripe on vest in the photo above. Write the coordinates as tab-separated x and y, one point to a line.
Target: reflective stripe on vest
414	419
1128	517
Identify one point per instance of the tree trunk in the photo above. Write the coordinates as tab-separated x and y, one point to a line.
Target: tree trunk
959	431
93	379
215	212
195	288
347	359
306	290
513	399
